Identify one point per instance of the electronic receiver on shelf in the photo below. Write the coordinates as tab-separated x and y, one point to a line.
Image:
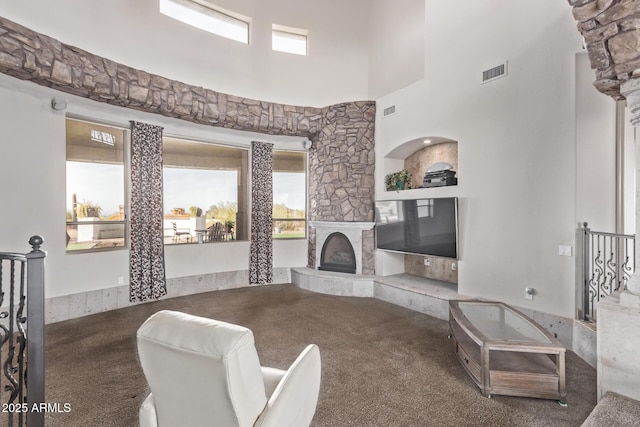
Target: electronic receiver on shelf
439	174
439	178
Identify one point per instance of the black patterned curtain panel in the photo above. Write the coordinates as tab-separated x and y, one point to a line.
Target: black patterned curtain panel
261	257
146	260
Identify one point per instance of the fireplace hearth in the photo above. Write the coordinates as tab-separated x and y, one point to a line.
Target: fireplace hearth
337	254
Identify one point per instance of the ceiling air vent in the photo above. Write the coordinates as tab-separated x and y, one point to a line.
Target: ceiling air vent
494	73
389	111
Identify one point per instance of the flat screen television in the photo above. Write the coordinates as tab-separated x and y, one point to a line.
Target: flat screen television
418	226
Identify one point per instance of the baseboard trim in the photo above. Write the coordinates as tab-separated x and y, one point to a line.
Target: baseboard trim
58	309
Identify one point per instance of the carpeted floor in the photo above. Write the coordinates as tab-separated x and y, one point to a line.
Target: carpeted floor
615	410
383	365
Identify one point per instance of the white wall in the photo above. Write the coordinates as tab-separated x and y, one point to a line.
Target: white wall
596	155
516	142
136	34
32	175
396	45
595	151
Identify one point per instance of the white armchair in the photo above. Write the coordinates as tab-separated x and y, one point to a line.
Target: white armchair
204	372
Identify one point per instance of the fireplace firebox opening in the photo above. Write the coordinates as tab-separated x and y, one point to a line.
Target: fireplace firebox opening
337	254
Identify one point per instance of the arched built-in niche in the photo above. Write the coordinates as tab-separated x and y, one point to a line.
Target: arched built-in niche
418	155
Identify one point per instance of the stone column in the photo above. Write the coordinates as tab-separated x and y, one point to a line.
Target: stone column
619	314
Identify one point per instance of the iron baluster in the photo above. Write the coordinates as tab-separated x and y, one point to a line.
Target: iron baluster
626	268
8	367
9	338
22	341
18	389
599	271
608	263
610	267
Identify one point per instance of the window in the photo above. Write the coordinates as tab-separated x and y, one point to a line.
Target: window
205	192
95	173
289	194
289	40
214	20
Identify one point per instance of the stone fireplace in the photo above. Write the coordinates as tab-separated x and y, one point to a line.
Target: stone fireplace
340	245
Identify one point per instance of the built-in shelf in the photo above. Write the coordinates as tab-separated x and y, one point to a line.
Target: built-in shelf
417	156
421	193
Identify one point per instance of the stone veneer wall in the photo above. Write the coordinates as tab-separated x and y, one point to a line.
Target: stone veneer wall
341	173
611	30
311	253
41	59
368	252
341	162
439	268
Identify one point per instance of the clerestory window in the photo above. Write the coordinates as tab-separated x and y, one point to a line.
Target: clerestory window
289	40
209	18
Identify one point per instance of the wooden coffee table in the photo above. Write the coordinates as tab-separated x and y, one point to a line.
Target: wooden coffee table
506	352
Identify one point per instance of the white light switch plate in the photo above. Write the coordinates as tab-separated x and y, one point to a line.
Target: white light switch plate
565	250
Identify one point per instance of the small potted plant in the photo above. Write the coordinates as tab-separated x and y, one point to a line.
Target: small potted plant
400	180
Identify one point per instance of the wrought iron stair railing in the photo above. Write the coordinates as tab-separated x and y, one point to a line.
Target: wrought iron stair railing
22	337
608	263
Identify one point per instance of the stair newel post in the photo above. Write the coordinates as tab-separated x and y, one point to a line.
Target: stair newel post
35	331
586	312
